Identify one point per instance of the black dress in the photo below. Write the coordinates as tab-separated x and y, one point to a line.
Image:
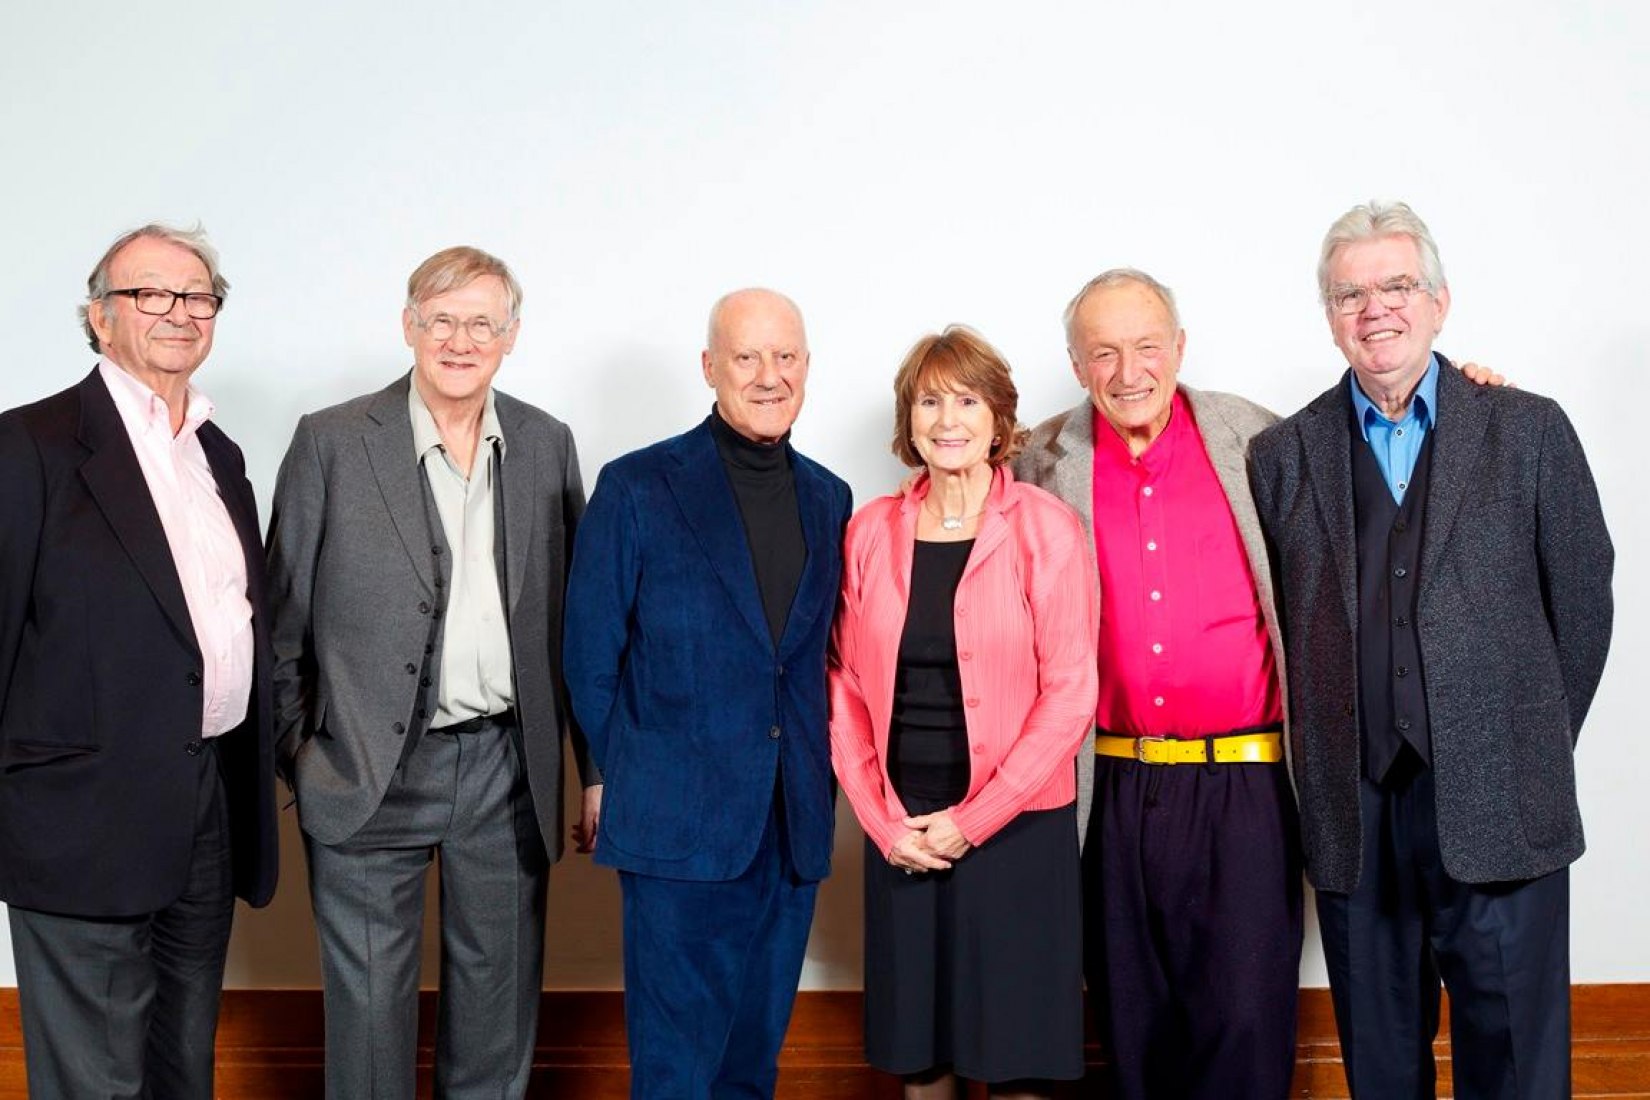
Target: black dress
979	968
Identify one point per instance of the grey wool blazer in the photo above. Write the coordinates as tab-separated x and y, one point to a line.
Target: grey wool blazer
1513	617
358	566
1059	457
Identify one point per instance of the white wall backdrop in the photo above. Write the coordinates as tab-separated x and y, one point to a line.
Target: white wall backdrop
894	166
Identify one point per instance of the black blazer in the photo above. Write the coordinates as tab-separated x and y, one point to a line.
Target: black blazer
1514	624
100	674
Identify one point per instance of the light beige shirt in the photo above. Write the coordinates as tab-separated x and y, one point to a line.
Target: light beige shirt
476	677
206	549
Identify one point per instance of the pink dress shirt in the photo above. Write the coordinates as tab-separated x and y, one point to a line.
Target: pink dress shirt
206	549
1026	613
1183	646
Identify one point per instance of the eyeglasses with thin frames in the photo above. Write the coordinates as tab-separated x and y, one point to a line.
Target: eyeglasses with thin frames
1394	293
481	330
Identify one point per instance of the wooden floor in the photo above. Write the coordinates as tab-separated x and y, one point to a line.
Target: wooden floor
270	1048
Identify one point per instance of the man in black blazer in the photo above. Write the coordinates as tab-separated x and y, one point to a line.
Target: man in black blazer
1443	570
136	766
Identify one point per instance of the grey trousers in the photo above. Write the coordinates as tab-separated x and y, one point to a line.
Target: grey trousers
462	797
128	1008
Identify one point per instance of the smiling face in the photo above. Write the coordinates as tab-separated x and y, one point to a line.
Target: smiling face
456	371
1388	348
158	351
952	429
757	363
1125	350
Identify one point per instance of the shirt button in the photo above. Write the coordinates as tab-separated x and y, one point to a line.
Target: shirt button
773	733
1158	701
1402	485
1156	595
1151	545
1157	647
424	681
1147	490
1399	433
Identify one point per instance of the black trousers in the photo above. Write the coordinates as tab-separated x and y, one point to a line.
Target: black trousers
1501	949
1192	918
124	1008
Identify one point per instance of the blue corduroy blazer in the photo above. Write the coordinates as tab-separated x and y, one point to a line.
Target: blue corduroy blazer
690	709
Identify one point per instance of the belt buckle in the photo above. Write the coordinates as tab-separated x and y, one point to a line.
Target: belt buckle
1140	752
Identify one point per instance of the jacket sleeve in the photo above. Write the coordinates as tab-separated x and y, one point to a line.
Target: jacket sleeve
1576	559
601	596
22	515
572	504
854	755
297	525
1062	589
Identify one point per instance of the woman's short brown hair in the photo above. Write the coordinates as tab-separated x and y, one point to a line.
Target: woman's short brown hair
957	359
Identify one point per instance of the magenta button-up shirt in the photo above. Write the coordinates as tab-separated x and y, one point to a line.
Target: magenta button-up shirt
1183	646
206	550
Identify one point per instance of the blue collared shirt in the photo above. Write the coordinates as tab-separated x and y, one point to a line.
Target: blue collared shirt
1397	444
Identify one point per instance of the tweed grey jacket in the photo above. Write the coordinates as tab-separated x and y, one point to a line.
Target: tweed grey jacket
1513	619
356	570
1059	457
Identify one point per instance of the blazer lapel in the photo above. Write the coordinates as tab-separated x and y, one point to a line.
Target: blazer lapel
1458	429
1073	453
116	483
706	499
236	493
1326	440
815	593
389	443
514	486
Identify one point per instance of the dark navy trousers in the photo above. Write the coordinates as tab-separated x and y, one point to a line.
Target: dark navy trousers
1192	928
1501	949
710	974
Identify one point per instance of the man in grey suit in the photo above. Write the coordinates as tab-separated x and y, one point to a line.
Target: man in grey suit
1192	884
1444	577
417	562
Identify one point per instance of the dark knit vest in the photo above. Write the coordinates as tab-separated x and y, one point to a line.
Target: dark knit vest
1391	686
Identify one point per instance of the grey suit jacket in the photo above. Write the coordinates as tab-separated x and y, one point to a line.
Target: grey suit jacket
358	566
1513	619
1060	458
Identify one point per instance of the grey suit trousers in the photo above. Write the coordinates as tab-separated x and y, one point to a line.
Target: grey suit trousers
465	797
128	1008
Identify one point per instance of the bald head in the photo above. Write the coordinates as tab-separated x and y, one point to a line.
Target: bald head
756	359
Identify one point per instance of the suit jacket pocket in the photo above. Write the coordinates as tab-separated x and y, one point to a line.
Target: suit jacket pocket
1546	779
654	798
16	755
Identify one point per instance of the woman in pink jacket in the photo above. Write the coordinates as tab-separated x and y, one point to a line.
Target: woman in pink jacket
962	682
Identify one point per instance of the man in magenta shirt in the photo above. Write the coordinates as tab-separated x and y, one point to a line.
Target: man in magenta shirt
1191	857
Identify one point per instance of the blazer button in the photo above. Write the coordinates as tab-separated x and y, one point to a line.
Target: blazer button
194	679
424	681
973	702
193	748
773	734
1351	711
423	607
978	749
399	729
412	669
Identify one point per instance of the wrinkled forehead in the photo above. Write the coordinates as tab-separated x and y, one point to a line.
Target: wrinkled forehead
149	261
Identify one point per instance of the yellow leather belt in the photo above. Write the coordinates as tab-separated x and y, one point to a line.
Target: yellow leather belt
1239	748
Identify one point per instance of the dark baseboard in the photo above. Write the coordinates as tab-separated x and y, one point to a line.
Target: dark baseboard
270	1047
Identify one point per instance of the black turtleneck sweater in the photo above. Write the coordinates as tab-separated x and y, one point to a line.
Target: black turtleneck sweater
765	489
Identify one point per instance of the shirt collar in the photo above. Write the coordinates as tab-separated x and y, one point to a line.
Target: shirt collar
1421	406
143	410
1113	450
427	437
